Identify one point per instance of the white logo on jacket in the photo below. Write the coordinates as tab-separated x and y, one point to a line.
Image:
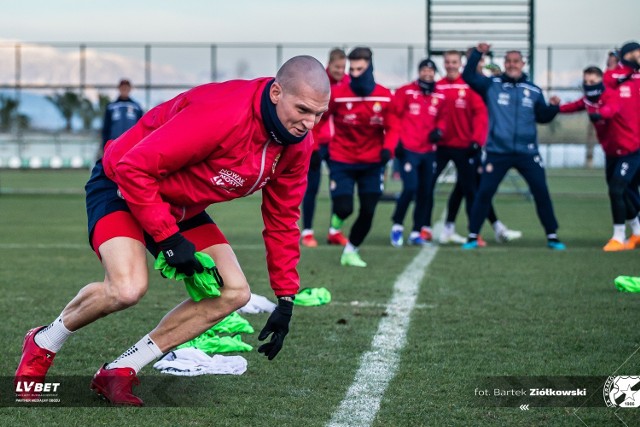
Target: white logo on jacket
228	180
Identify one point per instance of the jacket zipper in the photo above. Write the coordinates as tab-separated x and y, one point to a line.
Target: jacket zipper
264	158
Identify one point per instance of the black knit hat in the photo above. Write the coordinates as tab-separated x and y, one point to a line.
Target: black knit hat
628	47
427	63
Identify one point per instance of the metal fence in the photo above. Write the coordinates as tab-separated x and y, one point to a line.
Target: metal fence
159	71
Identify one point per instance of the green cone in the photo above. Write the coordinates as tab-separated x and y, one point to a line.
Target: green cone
312	297
627	283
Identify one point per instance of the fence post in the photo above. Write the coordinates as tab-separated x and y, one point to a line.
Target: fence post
278	56
549	62
409	62
147	74
214	63
83	69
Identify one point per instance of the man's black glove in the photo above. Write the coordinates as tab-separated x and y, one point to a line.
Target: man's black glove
435	136
278	324
400	151
385	156
180	253
595	117
474	149
316	160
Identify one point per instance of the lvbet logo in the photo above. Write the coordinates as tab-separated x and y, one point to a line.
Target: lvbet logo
32	386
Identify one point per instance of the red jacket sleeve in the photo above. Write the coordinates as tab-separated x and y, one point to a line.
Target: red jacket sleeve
281	199
480	119
394	115
441	115
573	107
159	154
610	104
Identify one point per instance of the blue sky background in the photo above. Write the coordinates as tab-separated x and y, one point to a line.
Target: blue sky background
337	21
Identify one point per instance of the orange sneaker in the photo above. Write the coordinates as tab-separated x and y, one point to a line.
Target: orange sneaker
337	238
632	242
309	241
426	235
481	242
614	245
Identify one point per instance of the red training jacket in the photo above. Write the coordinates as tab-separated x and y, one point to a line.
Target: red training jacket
615	131
416	115
611	77
362	125
209	145
324	130
467	116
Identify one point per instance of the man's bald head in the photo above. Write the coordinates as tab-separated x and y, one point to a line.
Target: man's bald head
301	94
302	71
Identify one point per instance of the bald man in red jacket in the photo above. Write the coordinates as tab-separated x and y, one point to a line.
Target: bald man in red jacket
212	144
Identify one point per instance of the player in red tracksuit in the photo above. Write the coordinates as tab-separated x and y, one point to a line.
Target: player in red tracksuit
211	144
322	133
467	127
613	114
359	150
418	114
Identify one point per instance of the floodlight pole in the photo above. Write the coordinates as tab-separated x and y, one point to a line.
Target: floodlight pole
532	35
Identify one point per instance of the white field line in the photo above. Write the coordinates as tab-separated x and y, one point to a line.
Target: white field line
378	366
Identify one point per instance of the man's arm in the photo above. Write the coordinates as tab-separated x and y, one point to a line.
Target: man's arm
545	112
610	104
573	107
478	82
281	199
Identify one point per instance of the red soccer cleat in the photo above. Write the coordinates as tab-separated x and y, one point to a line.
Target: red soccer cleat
34	363
115	386
481	242
426	235
309	241
337	238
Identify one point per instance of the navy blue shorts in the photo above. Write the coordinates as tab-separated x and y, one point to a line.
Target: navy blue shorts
103	198
368	176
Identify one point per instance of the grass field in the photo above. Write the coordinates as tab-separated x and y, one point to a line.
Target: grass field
516	309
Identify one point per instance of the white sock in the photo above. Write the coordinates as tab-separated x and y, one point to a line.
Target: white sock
499	227
349	248
414	235
306	232
53	336
138	355
450	227
426	229
333	230
635	226
397	227
552	236
619	232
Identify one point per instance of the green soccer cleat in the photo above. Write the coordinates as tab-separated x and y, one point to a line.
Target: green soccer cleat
352	259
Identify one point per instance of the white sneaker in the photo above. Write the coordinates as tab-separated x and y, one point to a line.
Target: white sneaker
447	237
507	235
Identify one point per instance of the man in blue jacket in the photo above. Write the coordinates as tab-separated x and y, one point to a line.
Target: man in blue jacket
515	105
121	114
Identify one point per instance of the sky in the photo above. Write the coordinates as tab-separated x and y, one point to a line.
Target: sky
327	21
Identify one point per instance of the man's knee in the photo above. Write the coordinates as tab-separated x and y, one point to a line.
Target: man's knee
343	206
126	292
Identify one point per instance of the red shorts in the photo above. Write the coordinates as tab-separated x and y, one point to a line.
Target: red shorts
200	230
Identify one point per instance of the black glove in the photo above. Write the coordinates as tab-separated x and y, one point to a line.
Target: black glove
278	324
595	117
316	160
435	136
474	148
180	253
400	151
385	156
